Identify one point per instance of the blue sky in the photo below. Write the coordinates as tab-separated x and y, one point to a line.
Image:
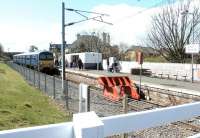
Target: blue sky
49	10
37	22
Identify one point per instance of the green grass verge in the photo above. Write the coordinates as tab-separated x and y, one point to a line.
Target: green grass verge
22	105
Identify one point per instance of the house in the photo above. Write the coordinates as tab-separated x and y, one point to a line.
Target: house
130	54
92	43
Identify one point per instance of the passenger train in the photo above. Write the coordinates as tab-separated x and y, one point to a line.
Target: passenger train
42	61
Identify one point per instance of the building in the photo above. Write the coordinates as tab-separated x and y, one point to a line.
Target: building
90	43
130	54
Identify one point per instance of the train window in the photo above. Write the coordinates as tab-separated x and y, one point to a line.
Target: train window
46	56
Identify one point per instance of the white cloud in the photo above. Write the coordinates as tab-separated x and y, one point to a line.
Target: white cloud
129	27
18	37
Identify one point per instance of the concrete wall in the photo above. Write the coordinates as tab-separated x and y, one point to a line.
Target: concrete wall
165	68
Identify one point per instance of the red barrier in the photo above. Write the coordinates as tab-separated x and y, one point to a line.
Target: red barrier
116	87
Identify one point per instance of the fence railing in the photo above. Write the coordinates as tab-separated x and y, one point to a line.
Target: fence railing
51	86
89	125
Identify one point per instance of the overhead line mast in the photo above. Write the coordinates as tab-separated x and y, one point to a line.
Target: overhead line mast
98	18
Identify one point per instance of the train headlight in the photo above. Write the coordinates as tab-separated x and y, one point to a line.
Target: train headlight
40	63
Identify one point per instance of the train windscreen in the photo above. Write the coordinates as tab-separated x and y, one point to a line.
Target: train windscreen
46	56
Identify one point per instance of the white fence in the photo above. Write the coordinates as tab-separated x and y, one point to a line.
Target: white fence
89	125
165	68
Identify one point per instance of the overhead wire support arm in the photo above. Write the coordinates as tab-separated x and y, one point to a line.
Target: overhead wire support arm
92	18
102	14
97	18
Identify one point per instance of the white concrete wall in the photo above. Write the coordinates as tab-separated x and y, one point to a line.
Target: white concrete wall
62	130
165	68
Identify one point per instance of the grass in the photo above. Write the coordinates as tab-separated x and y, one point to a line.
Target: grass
22	105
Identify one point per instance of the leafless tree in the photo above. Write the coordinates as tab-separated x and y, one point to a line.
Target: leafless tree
33	48
172	30
92	42
1	49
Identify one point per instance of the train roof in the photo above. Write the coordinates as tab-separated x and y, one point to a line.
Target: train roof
31	53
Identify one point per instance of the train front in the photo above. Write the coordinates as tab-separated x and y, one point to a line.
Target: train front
46	62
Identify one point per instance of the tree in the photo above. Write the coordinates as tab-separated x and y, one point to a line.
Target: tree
122	50
1	49
33	48
92	42
171	31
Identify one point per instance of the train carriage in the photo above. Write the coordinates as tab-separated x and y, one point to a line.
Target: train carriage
42	61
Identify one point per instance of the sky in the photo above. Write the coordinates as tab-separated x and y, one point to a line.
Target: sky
38	22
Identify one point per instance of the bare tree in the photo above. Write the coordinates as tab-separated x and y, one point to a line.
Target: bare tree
1	49
33	48
171	31
123	47
91	42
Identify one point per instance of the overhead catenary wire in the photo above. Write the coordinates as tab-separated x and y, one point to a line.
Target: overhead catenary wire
96	18
141	11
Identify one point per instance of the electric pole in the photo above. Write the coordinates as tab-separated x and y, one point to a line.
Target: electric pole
63	47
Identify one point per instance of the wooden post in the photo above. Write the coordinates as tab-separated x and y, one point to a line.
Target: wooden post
125	109
125	103
54	88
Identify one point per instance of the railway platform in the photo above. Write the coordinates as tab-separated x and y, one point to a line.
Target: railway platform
167	84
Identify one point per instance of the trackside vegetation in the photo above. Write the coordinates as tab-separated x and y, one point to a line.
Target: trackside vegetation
22	105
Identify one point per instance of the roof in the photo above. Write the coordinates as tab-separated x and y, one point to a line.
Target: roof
143	49
31	53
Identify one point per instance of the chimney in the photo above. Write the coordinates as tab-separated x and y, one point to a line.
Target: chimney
104	37
108	39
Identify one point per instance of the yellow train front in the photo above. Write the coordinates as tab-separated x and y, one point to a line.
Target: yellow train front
46	62
41	61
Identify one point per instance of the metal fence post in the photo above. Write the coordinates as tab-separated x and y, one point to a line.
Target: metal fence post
29	74
66	95
38	79
45	82
20	69
25	73
34	77
54	88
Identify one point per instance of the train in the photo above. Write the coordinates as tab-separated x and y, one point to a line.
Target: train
42	60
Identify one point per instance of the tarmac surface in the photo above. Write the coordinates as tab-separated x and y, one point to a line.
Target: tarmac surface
169	84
